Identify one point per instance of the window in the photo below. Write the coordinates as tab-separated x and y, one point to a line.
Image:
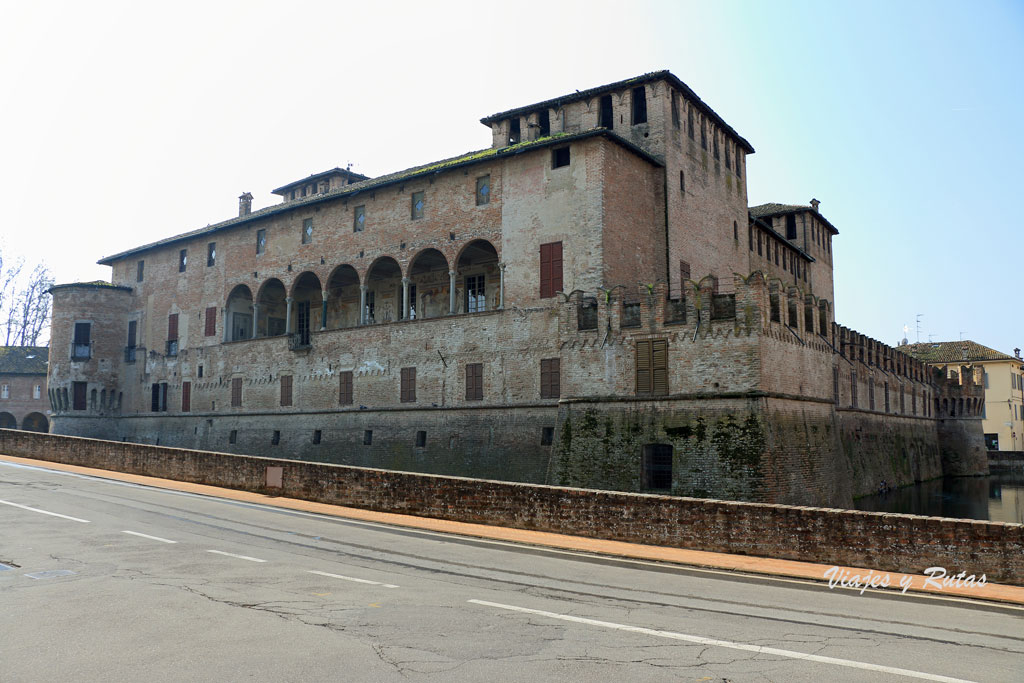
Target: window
773	305
172	334
760	251
345	388
140	267
233	435
689	122
186	396
417	205
182	260
703	133
791	227
236	392
5	391
200	373
286	390
630	314
317	435
474	381
835	385
307	231
133	327
639	101
652	367
261	241
158	403
682	183
675	109
586	314
736	236
78	389
750	237
550	378
211	254
559	157
714	143
544	123
605	117
408	388
550	269
514	131
82	344
37	391
483	190
871	393
275	440
367	437
475	299
358	219
657	467
853	388
728	159
421	439
211	321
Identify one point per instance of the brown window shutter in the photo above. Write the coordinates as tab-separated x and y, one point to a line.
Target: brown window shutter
172	327
345	389
186	397
474	381
286	390
545	271
408	389
643	367
211	321
659	366
549	378
556	267
236	392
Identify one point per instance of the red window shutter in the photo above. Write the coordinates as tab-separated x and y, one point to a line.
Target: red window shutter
345	388
186	397
556	268
172	327
545	271
211	321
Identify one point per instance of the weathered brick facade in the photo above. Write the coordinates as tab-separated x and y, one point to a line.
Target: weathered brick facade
23	402
584	273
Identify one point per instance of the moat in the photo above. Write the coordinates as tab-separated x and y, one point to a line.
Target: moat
998	497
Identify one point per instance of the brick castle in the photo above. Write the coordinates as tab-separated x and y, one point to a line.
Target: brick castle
588	302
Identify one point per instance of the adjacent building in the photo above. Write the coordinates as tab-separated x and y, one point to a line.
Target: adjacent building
1003	409
587	302
23	399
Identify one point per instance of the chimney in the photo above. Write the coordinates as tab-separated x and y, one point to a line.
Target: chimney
1016	352
814	205
245	204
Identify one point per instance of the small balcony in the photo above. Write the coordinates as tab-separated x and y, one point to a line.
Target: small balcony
172	347
299	341
81	351
129	354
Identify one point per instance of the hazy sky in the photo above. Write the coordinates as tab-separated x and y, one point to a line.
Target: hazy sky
126	122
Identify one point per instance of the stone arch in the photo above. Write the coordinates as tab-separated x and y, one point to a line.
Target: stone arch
35	422
238	313
307	305
343	296
477	277
272	308
7	421
383	291
428	285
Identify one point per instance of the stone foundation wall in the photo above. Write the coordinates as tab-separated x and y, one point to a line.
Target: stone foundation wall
888	542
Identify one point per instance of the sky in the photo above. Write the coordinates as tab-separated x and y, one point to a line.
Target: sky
122	123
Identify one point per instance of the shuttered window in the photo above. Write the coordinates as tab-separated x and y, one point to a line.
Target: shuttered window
172	327
345	388
286	390
652	367
474	381
408	392
550	269
211	321
186	397
236	392
550	378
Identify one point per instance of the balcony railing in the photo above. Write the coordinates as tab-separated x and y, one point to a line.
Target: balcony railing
299	341
129	354
81	351
172	347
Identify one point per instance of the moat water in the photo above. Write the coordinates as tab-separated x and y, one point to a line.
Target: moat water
998	497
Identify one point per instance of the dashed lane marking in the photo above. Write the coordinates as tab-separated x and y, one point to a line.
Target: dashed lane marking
153	538
351	578
700	640
45	512
241	557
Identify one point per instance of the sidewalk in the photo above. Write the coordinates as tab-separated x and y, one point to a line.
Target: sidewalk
695	558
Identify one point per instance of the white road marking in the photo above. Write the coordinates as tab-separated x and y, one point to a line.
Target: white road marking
154	538
350	578
759	649
54	514
241	557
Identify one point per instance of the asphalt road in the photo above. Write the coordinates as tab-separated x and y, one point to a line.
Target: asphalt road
110	581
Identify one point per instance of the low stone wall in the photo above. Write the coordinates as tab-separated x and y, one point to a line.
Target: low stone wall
1003	459
890	542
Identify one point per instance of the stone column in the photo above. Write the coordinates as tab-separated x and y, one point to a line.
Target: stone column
405	298
255	319
501	286
227	324
288	315
451	292
323	310
363	289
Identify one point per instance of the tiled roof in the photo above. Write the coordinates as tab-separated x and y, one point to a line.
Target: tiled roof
95	284
776	209
629	82
316	176
23	360
964	351
390	179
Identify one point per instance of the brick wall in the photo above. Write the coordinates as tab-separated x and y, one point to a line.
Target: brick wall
888	542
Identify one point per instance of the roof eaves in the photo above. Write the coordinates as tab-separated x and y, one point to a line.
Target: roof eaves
768	228
784	209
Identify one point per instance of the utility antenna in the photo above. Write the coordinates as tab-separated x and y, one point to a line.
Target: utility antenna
919	316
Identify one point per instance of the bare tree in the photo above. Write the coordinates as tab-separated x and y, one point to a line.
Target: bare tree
24	306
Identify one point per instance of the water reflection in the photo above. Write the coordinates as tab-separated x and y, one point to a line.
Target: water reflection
998	497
